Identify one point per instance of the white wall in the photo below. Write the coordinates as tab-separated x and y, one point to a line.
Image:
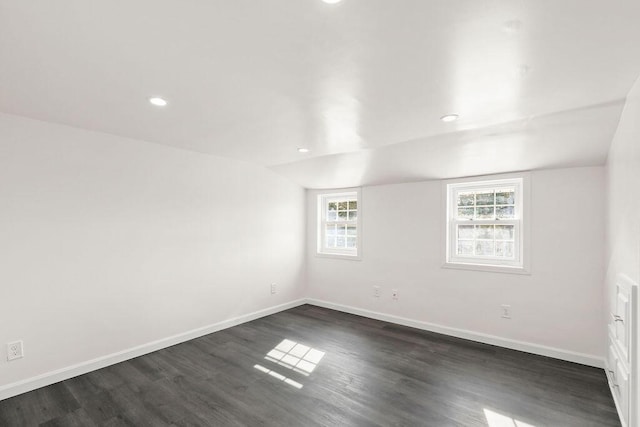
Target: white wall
559	305
108	243
623	189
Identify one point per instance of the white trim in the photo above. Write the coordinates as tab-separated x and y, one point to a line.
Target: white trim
489	268
610	381
523	204
556	353
629	358
321	201
68	372
53	377
339	256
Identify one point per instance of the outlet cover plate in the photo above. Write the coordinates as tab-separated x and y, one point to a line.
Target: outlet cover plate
15	350
505	311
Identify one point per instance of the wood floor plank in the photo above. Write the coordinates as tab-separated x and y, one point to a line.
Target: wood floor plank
372	374
77	418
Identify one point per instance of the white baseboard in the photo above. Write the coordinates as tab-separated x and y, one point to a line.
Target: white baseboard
53	377
556	353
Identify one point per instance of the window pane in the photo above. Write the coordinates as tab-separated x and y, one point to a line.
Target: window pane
465	213
505	197
465	232
509	250
484	232
484	213
487	222
505	232
465	247
338	216
485	198
484	247
466	199
505	212
504	249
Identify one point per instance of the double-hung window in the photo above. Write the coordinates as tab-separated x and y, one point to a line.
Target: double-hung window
486	224
339	224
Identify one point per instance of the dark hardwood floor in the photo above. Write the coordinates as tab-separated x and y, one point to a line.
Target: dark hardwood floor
348	370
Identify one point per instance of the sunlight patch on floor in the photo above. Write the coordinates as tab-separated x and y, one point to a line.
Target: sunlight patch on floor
298	357
495	419
278	376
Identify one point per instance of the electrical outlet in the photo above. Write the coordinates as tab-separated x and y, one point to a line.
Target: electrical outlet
505	311
394	293
376	291
273	288
15	350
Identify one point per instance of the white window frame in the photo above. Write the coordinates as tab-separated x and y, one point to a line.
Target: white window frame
522	224
323	200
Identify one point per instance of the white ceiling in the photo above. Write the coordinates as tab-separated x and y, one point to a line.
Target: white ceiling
362	83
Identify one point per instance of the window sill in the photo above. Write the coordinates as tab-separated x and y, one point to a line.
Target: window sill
487	268
339	256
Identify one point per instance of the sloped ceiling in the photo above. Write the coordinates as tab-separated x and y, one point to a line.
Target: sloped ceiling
362	83
579	137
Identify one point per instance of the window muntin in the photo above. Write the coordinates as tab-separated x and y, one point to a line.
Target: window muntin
485	223
338	228
489	241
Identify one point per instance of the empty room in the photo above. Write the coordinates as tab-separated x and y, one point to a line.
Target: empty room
319	213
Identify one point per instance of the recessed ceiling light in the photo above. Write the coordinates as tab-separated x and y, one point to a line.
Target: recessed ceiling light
303	150
332	1
449	118
157	101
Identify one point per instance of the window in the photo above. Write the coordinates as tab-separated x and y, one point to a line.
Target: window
339	224
485	224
